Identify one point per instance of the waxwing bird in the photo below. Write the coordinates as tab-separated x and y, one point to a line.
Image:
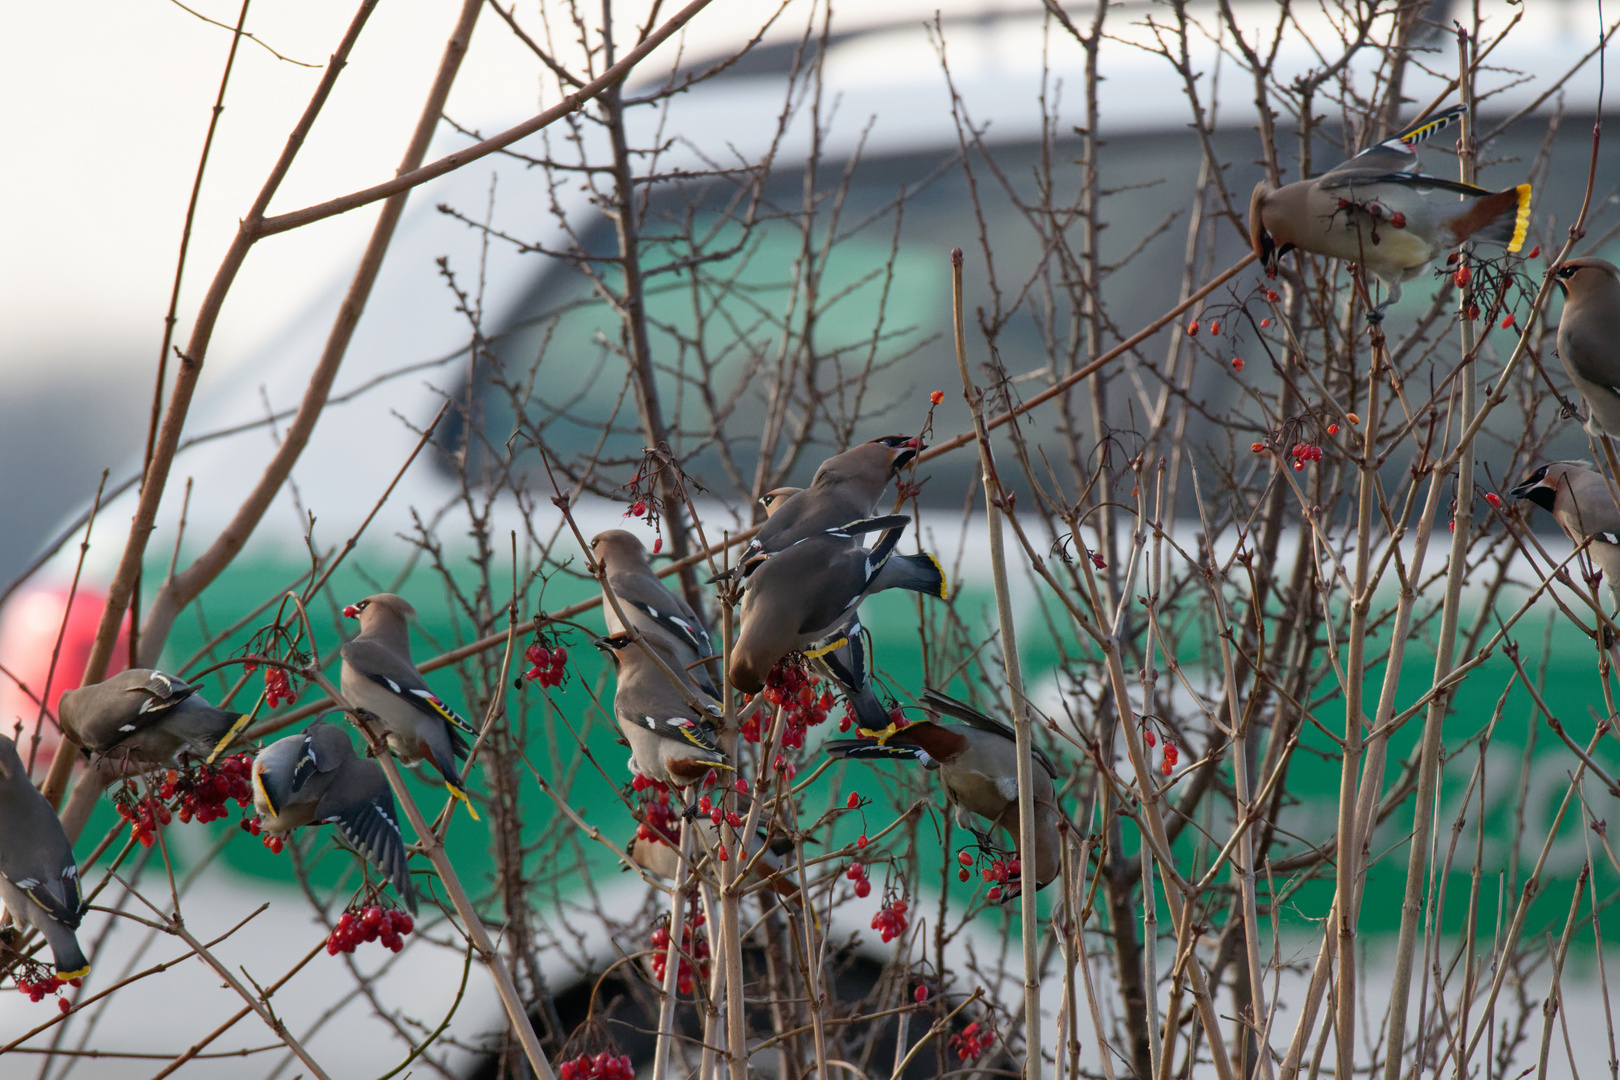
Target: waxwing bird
1589	338
808	592
842	495
652	609
39	881
378	676
1578	498
316	778
669	741
146	716
977	760
1373	209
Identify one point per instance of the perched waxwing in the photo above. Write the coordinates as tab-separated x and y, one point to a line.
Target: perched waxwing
1589	338
1374	209
145	716
651	608
842	495
977	761
669	741
1578	498
316	778
808	593
39	881
378	676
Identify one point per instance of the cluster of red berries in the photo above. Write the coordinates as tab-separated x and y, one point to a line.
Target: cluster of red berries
1171	756
547	665
890	921
144	817
1305	452
1002	872
278	689
37	988
717	814
857	874
657	821
972	1041
791	688
689	952
603	1066
372	923
201	792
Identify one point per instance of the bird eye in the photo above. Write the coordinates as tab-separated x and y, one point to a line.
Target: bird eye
1567	271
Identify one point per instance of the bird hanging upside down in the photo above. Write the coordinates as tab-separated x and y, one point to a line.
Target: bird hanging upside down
1374	209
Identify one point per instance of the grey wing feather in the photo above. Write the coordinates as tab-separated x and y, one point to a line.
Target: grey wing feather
372	827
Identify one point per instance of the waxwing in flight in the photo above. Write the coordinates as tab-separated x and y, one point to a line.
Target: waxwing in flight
316	778
977	760
378	676
652	609
807	593
1374	209
842	494
1589	338
1578	498
669	741
145	716
39	881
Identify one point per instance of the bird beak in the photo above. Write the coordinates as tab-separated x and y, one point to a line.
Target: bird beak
351	612
1538	491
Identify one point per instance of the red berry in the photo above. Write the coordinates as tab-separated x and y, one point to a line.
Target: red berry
1507	321
1192	328
863	888
1534	252
1463	276
854	801
861	841
1237	363
937	396
920	994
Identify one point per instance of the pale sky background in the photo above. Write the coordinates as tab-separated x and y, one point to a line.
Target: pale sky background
108	104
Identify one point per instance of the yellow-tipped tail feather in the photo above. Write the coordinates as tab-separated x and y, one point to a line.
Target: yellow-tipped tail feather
1521	221
462	795
225	740
81	973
